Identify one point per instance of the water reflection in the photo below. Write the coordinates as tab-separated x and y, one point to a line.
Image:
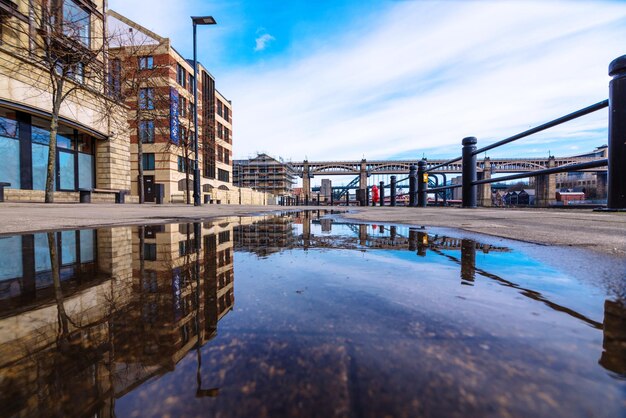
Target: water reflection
93	314
93	319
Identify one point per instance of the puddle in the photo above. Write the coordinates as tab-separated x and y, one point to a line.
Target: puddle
302	315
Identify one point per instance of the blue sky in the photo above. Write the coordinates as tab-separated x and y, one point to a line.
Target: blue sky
347	79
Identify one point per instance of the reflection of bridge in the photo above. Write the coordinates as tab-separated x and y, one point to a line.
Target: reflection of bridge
364	169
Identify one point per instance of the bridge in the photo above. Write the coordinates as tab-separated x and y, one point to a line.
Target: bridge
485	168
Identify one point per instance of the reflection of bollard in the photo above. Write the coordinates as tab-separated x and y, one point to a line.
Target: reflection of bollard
617	132
347	197
469	172
468	261
393	232
382	228
392	191
413	239
614	337
412	185
422	184
363	235
422	243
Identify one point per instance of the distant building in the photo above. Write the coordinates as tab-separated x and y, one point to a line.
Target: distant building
264	173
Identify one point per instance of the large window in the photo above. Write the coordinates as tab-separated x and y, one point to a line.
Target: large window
146	63
146	131
181	75
226	114
76	22
9	148
115	77
148	161
146	99
222	175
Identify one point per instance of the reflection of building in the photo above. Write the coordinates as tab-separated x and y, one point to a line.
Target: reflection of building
266	236
264	173
129	303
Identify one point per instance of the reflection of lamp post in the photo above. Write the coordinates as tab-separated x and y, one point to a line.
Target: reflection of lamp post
197	20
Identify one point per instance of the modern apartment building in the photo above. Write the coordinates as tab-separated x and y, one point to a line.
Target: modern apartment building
157	84
47	48
264	173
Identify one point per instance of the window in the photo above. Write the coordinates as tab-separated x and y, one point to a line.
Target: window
115	77
192	109
146	63
191	82
146	99
181	75
183	164
224	237
148	161
77	72
183	107
227	114
220	154
9	148
146	131
226	156
220	130
76	22
219	108
150	252
226	134
222	175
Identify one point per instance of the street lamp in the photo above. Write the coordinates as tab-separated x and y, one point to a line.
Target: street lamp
197	20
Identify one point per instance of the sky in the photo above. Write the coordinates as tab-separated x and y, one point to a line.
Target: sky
404	79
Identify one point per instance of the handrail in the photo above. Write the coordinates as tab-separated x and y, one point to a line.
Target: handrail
562	169
571	116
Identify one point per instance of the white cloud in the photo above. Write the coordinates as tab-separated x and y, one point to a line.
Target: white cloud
427	75
262	41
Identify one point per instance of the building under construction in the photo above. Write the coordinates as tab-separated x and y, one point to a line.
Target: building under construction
264	173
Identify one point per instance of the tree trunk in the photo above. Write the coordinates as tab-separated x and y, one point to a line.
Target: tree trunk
52	153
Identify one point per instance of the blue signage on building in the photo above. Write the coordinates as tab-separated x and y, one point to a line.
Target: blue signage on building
174	122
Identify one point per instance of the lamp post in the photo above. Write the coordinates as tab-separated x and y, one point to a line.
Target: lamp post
197	20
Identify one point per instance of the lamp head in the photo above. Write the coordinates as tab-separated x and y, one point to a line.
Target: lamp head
203	20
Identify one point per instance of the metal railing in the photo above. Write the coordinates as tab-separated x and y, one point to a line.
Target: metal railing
616	161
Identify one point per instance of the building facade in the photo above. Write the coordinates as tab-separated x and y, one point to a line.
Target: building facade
264	173
92	143
157	84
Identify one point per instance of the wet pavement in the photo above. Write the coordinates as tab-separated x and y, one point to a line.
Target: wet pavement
306	315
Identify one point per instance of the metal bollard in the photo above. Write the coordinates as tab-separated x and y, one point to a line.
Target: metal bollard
347	197
382	193
422	184
617	133
412	186
392	191
469	172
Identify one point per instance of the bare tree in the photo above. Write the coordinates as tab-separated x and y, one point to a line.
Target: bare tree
63	56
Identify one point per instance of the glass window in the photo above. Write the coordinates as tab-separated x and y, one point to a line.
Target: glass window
87	241
181	75
8	124
85	144
115	77
146	63
40	165
10	167
66	171
76	22
148	161
68	247
85	171
146	99
146	131
150	252
10	258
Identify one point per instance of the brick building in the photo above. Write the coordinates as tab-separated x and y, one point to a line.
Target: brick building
157	85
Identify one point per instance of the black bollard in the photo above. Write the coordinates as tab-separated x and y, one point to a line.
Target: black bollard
422	184
617	133
392	191
412	186
469	172
382	193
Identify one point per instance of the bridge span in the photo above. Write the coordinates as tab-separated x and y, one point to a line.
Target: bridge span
485	167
